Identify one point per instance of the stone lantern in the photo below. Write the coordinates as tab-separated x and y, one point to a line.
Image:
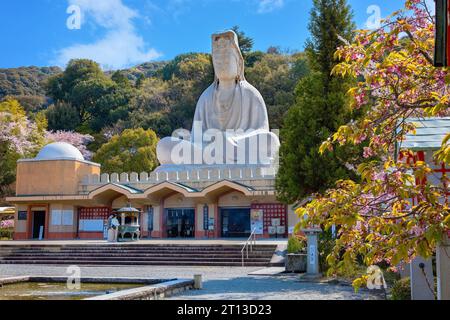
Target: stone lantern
132	226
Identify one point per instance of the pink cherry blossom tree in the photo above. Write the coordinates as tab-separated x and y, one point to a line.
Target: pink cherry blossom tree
377	219
78	140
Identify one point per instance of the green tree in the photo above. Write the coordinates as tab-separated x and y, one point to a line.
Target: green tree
188	66
131	151
253	57
321	107
167	101
99	100
104	101
119	78
69	86
245	43
276	76
62	116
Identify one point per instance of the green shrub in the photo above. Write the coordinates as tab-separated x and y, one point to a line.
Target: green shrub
6	234
401	290
296	245
326	246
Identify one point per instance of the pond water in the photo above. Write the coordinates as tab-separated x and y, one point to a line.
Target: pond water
58	291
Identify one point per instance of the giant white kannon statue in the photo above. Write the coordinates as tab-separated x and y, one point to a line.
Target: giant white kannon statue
231	124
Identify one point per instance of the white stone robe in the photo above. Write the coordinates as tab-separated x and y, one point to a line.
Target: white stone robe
247	119
247	112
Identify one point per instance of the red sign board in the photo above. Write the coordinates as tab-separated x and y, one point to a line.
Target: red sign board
448	233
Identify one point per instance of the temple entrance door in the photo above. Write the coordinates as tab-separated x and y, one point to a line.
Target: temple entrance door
235	222
180	223
38	222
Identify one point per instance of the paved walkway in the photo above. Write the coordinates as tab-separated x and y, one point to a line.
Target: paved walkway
220	283
272	288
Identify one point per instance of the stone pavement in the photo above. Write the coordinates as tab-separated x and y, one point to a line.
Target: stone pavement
220	283
272	288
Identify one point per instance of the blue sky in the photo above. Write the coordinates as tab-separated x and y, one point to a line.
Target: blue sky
121	33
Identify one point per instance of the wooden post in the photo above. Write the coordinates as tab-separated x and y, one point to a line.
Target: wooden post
447	21
443	269
442	34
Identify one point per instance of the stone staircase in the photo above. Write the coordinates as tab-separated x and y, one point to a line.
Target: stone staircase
136	255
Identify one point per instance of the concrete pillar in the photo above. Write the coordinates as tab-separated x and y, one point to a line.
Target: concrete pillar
312	266
404	269
443	269
199	231
198	282
157	232
422	279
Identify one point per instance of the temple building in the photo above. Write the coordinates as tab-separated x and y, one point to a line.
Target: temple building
59	195
219	184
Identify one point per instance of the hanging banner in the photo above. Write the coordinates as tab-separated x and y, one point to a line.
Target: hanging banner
205	218
257	221
150	214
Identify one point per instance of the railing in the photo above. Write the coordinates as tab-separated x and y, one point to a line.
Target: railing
251	241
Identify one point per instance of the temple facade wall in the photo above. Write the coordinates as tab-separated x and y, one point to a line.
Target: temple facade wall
20	225
63	220
119	202
52	177
177	201
235	199
70	199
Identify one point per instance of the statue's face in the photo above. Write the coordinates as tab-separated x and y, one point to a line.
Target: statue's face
225	60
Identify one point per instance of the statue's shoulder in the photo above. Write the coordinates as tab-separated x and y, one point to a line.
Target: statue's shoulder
250	91
207	94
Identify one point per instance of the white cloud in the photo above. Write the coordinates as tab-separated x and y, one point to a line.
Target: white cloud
266	6
120	47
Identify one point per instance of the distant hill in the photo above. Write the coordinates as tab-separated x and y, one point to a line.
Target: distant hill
163	95
26	84
146	70
24	81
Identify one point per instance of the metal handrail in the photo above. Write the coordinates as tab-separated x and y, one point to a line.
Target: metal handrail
251	241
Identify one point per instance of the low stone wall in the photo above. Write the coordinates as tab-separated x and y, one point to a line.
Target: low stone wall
204	174
153	292
256	177
155	289
13	280
296	263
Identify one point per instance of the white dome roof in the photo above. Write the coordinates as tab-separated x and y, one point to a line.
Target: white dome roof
58	151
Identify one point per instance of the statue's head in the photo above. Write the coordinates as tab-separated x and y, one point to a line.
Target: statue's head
227	57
